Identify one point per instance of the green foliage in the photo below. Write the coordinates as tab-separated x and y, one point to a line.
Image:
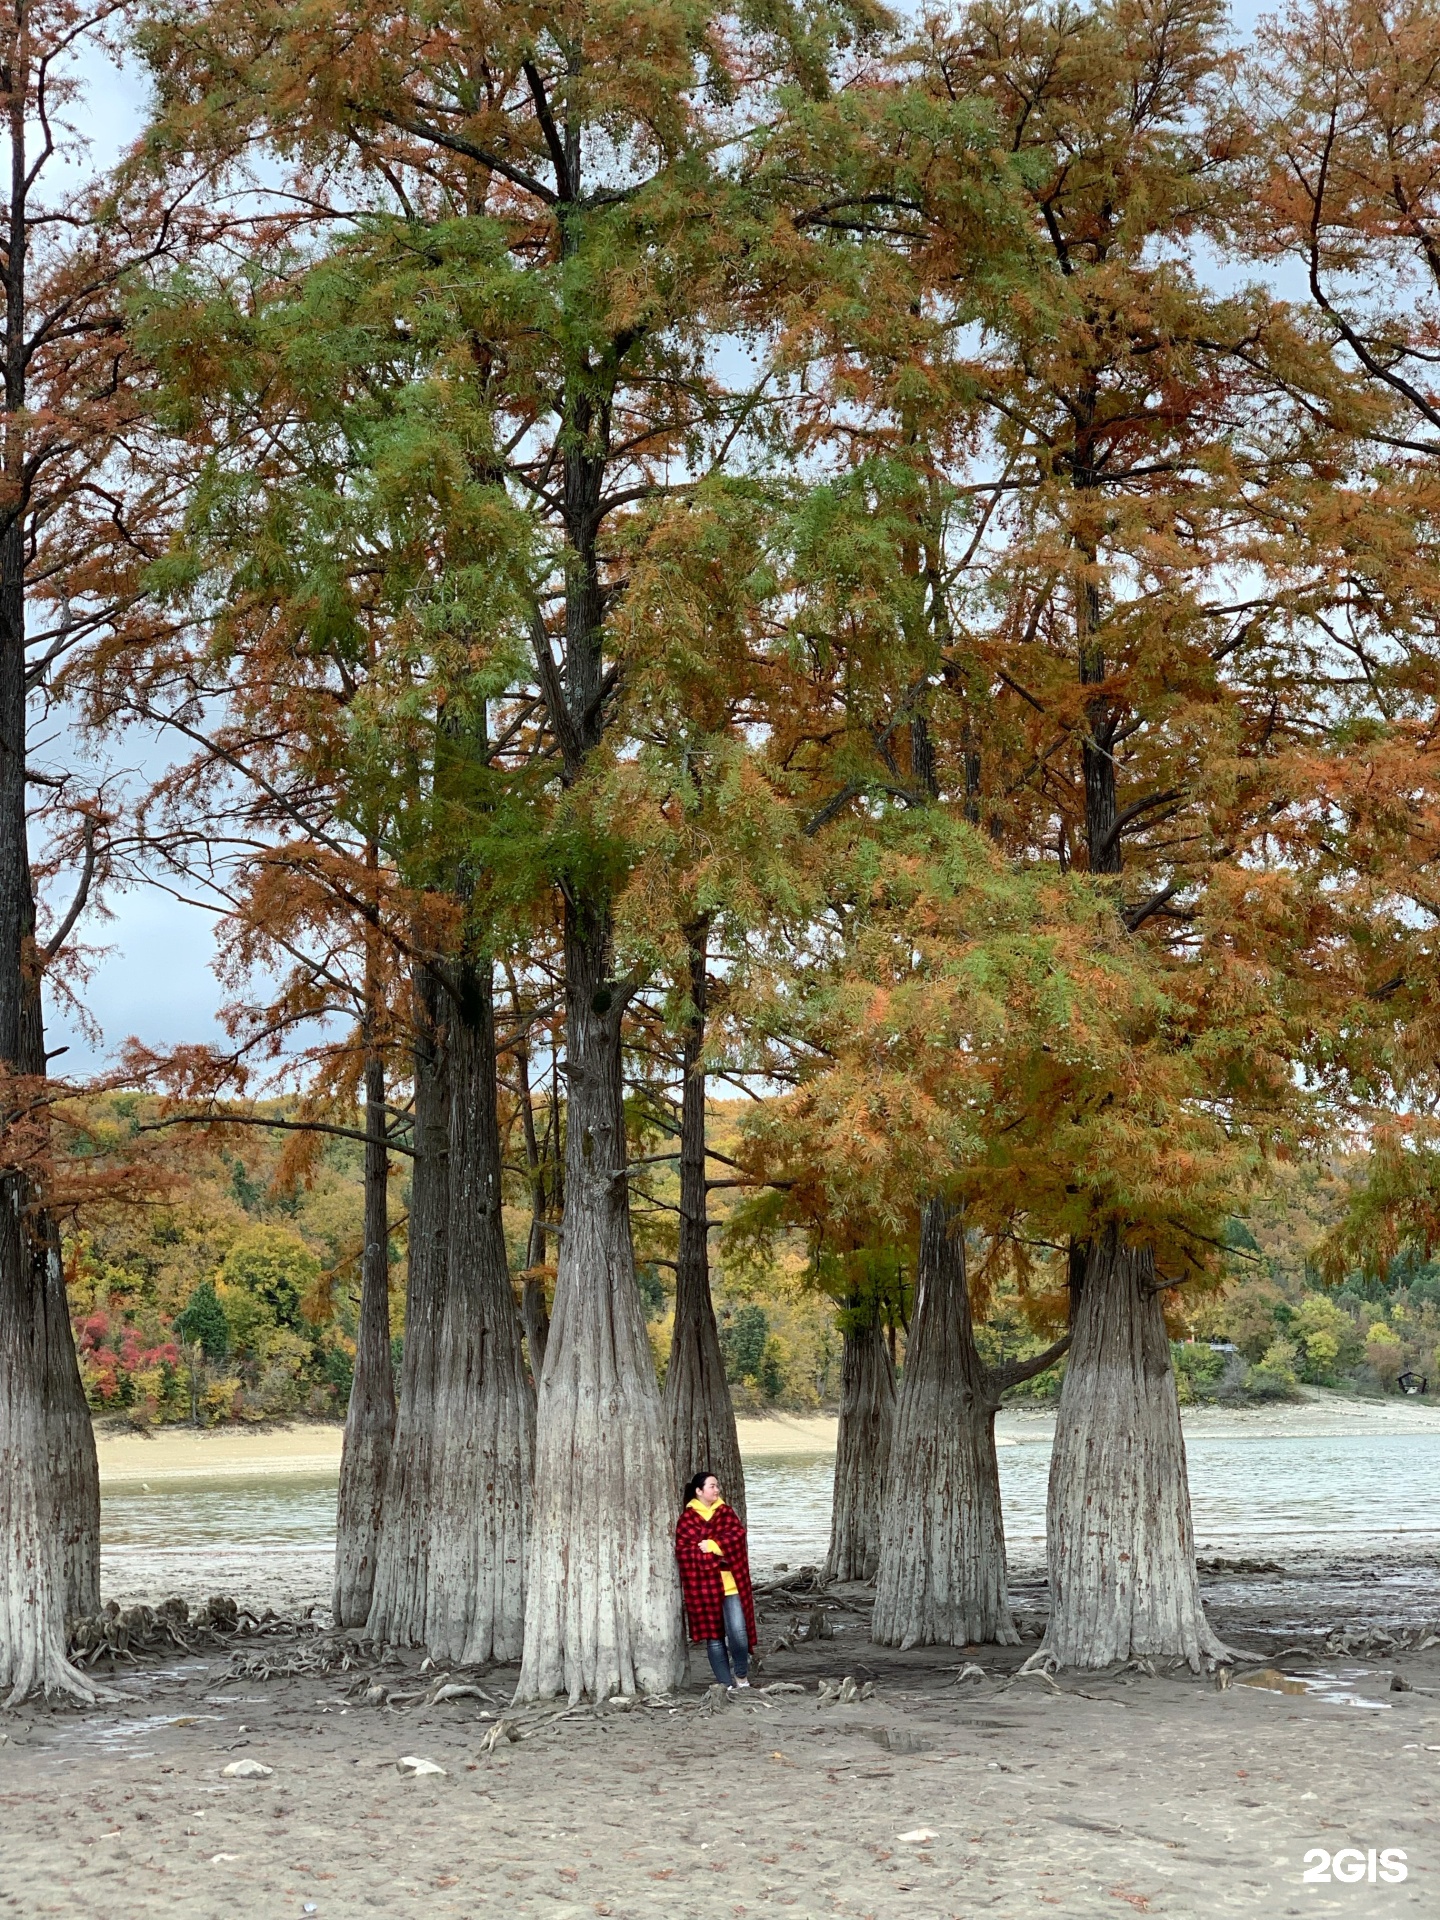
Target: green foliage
203	1322
743	1337
250	1193
219	1304
993	1021
1384	1353
753	1356
250	1321
1006	1332
1249	1316
337	1368
1356	1336
1273	1377
1199	1370
651	1289
1325	1336
771	1377
275	1270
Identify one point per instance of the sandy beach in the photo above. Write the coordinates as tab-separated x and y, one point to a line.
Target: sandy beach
177	1453
309	1447
935	1799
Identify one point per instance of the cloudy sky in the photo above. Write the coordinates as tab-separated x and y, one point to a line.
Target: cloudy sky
153	976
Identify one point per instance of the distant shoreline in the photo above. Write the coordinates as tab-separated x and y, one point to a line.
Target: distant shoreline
313	1447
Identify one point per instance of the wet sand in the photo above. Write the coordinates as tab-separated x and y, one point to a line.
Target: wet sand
1127	1793
1098	1794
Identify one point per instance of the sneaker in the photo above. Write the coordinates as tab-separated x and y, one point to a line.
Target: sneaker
742	1685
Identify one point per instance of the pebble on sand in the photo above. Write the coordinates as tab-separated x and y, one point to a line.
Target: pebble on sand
247	1770
917	1836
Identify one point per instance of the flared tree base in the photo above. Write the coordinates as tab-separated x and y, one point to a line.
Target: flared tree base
1123	1584
942	1578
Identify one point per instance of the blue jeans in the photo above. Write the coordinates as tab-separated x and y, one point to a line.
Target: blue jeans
737	1641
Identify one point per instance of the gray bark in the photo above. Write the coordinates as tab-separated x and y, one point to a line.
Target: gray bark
76	1488
534	1312
603	1610
32	1560
1123	1584
698	1409
941	1578
370	1417
862	1449
48	1489
49	1482
604	1600
482	1446
535	1317
397	1606
75	1465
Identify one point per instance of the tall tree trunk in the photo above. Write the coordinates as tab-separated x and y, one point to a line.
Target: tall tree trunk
72	1436
535	1317
370	1418
941	1577
862	1448
604	1600
484	1434
698	1407
38	1430
603	1612
397	1606
47	1561
1121	1546
76	1466
534	1313
32	1566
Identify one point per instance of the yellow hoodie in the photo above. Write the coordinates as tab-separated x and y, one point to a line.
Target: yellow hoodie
727	1579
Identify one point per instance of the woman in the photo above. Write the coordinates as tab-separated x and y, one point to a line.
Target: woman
715	1579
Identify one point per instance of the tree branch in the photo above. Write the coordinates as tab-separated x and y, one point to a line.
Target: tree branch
82	895
392	1145
1012	1372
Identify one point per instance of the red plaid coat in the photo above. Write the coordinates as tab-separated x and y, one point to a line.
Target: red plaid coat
700	1572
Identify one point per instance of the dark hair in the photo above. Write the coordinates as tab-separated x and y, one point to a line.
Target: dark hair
696	1482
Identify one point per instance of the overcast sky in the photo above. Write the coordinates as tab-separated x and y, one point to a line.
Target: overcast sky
155	980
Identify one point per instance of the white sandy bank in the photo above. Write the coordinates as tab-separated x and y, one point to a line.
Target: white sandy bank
176	1453
180	1453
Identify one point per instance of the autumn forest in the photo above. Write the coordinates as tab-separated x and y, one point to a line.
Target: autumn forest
797	650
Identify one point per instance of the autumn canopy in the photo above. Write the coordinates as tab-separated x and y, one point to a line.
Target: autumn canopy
889	563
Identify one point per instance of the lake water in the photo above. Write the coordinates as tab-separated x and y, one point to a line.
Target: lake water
1254	1495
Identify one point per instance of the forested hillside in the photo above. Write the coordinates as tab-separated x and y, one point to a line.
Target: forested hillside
1294	1318
234	1295
230	1293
